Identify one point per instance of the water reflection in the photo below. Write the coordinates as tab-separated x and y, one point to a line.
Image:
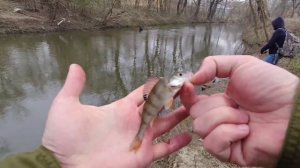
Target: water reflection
33	68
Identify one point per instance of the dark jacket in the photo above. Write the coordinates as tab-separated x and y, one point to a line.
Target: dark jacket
40	158
277	37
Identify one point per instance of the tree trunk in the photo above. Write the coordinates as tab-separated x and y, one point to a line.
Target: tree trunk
178	6
181	10
262	11
212	9
109	13
118	4
295	6
197	9
224	9
253	14
150	4
161	6
137	4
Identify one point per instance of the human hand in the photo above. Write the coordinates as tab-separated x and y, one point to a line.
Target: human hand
246	124
84	136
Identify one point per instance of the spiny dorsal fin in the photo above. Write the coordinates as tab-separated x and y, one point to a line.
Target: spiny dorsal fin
150	83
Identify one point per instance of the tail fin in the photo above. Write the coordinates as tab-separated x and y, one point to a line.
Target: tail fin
136	144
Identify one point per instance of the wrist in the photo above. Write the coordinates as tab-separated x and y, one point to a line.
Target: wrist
291	150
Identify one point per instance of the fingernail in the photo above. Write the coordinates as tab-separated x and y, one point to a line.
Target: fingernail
244	118
72	66
243	127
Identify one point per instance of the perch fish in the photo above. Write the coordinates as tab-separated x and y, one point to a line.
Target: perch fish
159	94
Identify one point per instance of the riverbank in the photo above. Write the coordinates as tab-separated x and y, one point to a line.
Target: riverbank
15	18
194	155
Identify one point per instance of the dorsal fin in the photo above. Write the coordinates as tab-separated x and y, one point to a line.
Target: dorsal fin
150	83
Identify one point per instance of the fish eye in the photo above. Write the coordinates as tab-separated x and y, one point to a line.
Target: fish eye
180	74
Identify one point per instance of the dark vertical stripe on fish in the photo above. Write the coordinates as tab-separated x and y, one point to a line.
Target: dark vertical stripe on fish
147	117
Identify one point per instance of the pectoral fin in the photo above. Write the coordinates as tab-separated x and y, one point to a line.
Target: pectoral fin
169	103
153	122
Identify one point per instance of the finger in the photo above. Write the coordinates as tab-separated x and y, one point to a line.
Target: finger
74	83
166	123
211	102
219	141
137	96
166	148
220	66
204	124
188	95
237	155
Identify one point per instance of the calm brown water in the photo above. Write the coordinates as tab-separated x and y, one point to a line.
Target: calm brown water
33	68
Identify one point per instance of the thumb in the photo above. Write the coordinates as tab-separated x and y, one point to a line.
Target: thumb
221	66
188	95
74	83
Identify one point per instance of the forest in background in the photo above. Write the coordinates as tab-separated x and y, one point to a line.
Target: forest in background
254	16
59	15
205	9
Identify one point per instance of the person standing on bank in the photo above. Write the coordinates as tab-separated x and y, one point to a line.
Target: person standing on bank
275	42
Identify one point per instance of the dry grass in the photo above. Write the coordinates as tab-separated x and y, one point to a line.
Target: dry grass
293	25
292	65
11	22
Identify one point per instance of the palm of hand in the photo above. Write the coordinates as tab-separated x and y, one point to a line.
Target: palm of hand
84	132
268	106
89	136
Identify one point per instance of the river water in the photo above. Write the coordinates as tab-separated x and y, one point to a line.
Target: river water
33	68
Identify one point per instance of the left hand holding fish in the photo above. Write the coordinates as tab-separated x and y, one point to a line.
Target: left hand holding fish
88	136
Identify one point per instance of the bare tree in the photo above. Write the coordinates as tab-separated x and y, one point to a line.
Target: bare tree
280	8
224	9
212	9
137	3
197	9
295	6
150	4
109	12
253	14
118	3
181	5
262	12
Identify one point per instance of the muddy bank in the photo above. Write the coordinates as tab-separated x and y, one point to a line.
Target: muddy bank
194	155
14	18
